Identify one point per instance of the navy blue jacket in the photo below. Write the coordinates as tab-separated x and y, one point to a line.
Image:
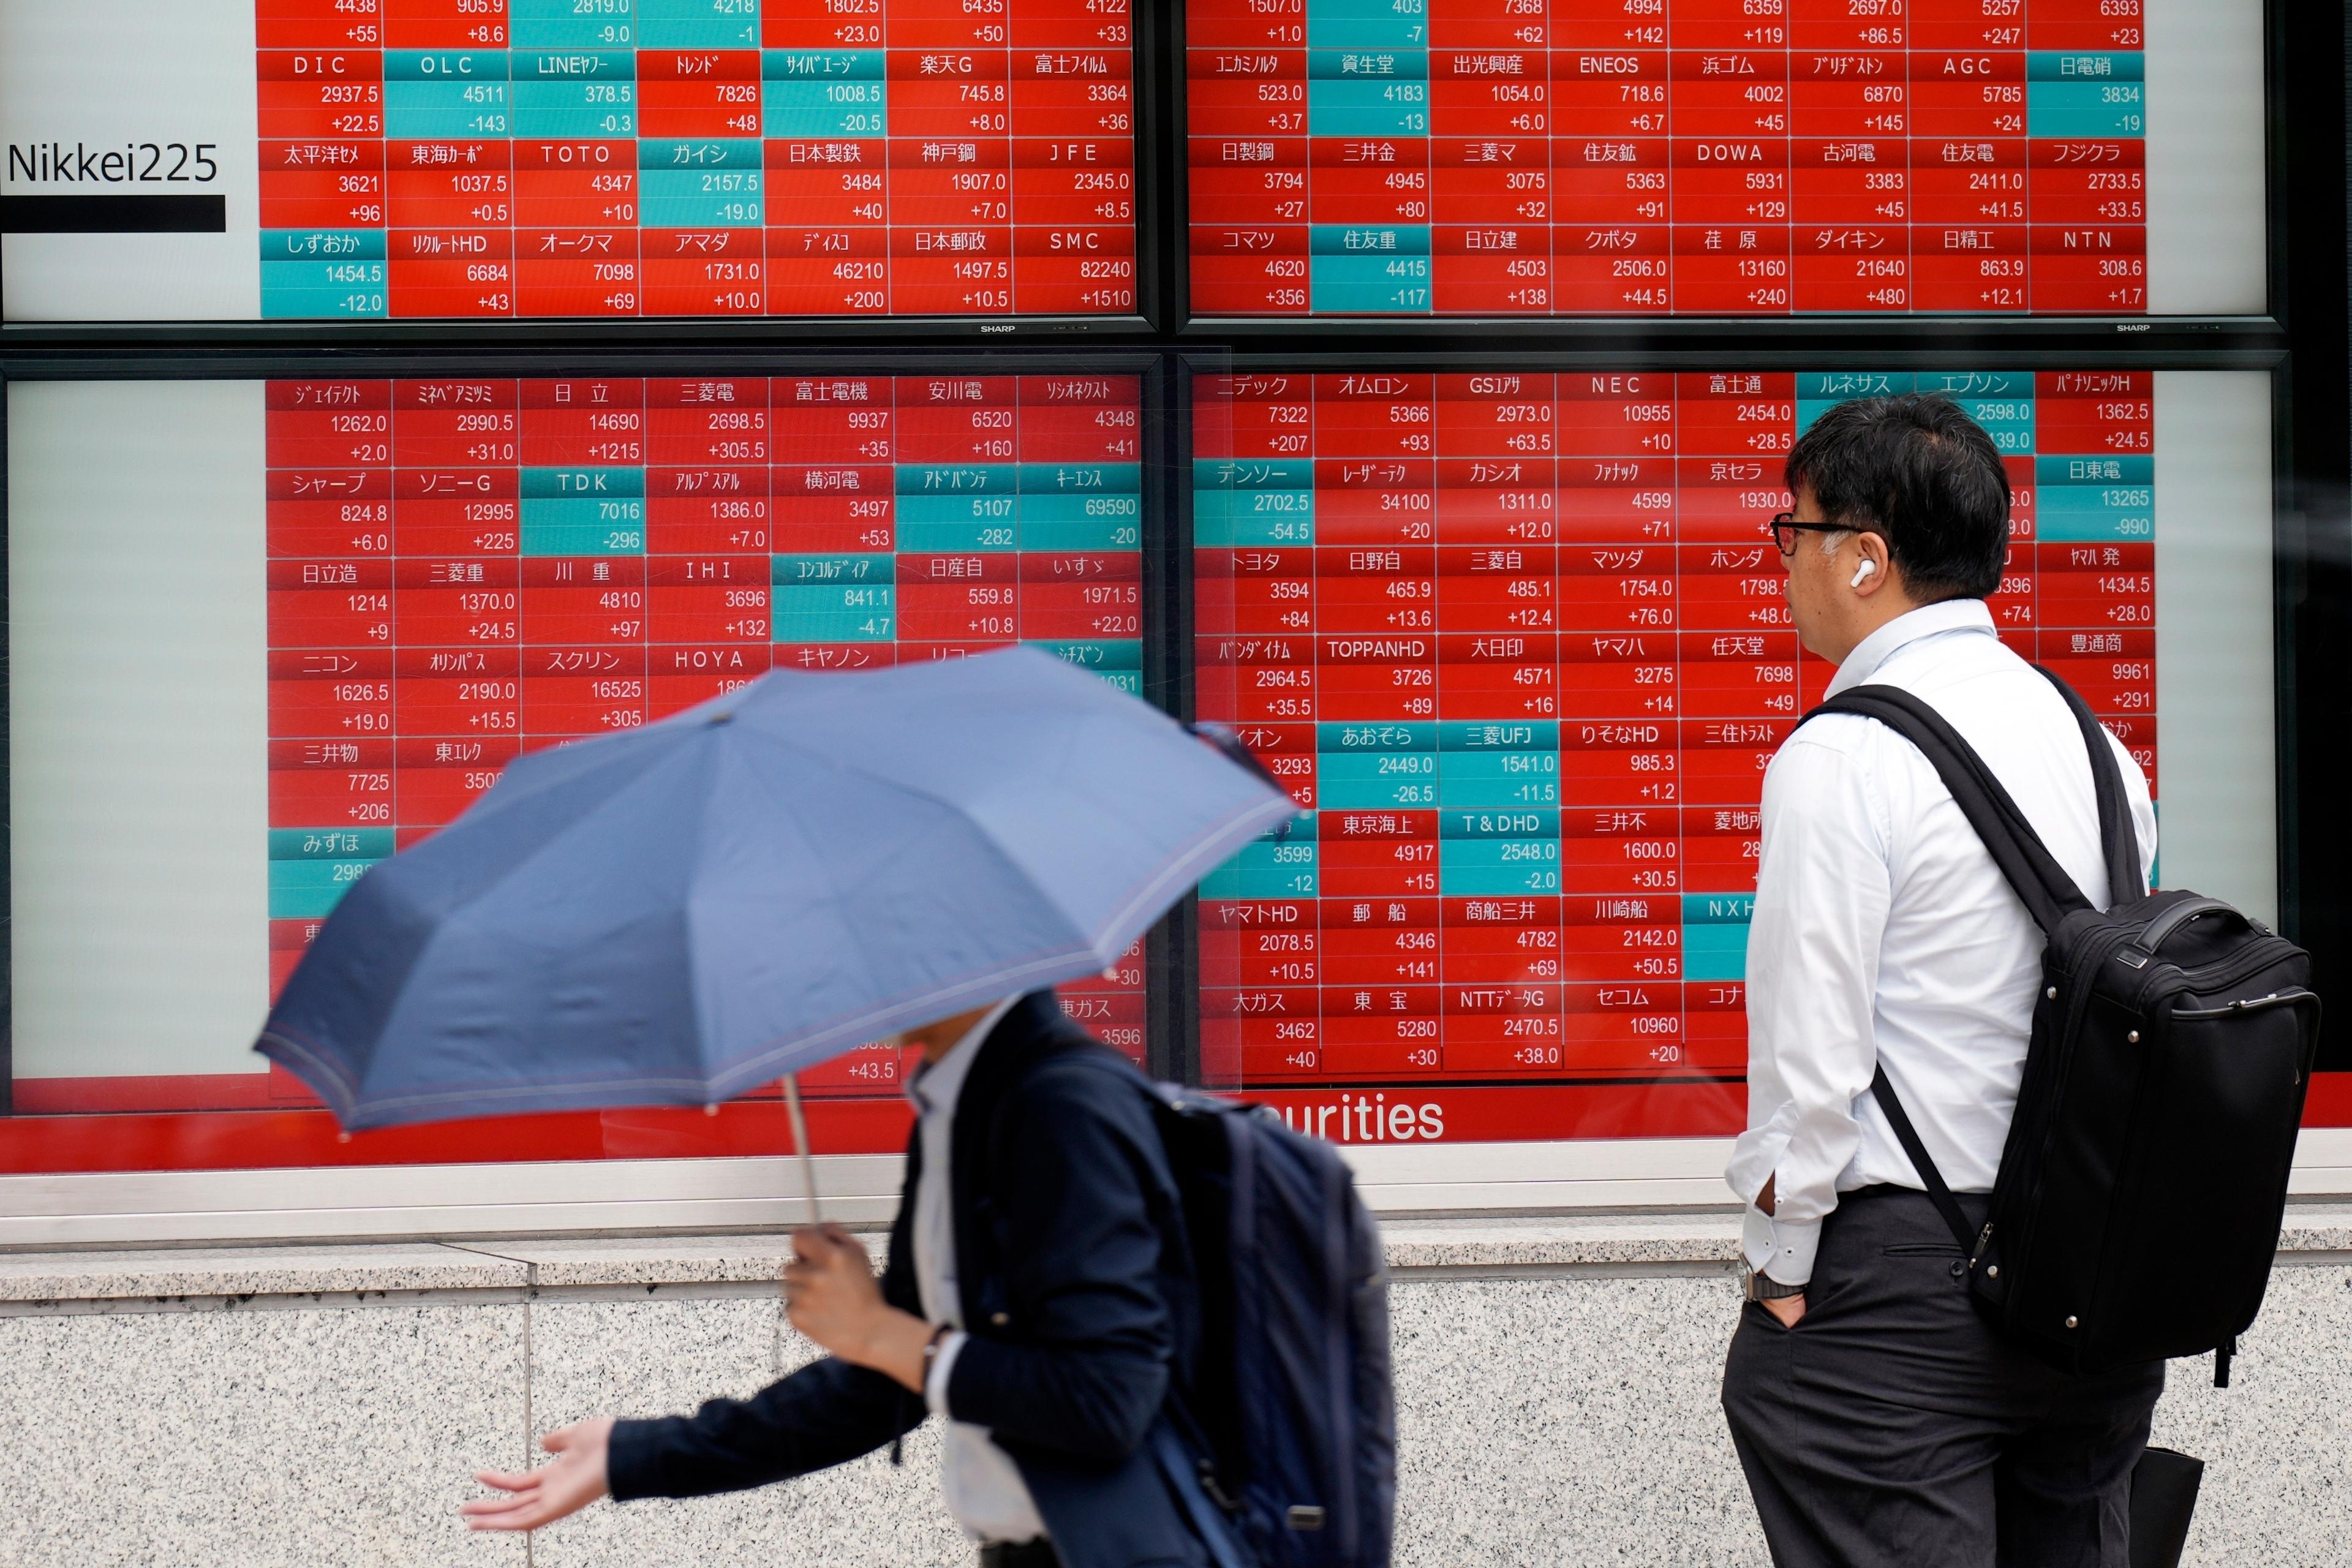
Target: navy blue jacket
1078	1290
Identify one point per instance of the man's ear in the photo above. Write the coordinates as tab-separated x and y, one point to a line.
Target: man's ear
1873	567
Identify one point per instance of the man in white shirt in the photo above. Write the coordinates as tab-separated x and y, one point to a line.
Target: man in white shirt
1878	1419
1038	1299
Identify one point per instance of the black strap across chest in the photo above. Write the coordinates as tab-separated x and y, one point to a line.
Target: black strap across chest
2048	893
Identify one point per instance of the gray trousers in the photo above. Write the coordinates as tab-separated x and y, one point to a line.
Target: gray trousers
1892	1426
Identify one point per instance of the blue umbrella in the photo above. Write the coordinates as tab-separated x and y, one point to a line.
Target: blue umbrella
675	914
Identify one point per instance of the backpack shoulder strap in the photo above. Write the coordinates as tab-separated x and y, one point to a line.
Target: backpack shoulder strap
1882	1089
2118	838
2048	893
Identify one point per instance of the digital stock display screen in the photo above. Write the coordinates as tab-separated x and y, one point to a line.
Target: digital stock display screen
1517	643
377	158
341	606
1513	637
1555	158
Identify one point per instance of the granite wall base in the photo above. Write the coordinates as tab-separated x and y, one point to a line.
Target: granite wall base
1552	1414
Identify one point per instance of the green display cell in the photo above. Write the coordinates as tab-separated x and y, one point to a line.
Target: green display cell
1078	535
820	571
1493	868
330	843
920	538
1474	735
309	890
1477	824
1404	735
1112	656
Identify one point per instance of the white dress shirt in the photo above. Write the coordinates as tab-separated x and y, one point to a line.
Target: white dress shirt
983	1486
1884	933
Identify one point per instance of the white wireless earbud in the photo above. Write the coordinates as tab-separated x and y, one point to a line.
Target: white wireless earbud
1864	569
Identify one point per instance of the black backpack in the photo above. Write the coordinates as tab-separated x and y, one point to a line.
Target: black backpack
1291	1415
2137	1206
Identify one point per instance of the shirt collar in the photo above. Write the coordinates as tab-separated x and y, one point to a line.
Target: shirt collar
936	1086
1912	625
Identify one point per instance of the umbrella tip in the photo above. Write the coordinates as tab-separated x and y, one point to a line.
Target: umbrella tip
342	1137
711	1110
723	716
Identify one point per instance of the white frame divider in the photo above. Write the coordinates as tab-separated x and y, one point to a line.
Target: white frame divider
384	1203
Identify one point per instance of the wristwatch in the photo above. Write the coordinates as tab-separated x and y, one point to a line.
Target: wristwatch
1757	1286
932	1349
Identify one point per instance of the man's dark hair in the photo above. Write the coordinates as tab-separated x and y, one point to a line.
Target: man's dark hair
1921	474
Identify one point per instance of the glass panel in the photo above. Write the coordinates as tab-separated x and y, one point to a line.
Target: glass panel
369	159
1768	158
1517	643
262	635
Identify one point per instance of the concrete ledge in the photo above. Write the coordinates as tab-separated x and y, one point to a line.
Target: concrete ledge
40	1277
677	1196
1502	1247
1629	1246
557	1263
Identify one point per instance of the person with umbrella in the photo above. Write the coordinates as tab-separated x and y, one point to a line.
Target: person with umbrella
687	910
1040	1210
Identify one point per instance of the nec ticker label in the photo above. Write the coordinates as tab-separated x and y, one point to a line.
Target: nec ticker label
1517	645
1751	158
373	159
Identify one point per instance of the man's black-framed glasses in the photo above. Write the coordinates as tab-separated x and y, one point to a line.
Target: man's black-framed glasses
1785	529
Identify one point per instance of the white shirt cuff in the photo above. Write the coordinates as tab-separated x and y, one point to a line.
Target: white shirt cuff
935	1386
1780	1249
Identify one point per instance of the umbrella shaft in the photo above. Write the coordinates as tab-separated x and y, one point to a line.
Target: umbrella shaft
801	1142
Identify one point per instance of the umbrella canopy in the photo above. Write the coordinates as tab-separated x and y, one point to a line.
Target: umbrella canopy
677	913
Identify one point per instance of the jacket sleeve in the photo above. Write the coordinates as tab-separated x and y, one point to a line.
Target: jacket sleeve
1081	1367
825	1413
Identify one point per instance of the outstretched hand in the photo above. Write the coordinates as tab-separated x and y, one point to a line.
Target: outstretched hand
564	1485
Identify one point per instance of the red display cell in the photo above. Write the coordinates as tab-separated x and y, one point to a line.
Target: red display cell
2084	24
577	273
577	707
445	24
345	439
318	23
322	93
699	92
601	599
458	604
703	272
334	782
685	674
316	604
317	194
1621	939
